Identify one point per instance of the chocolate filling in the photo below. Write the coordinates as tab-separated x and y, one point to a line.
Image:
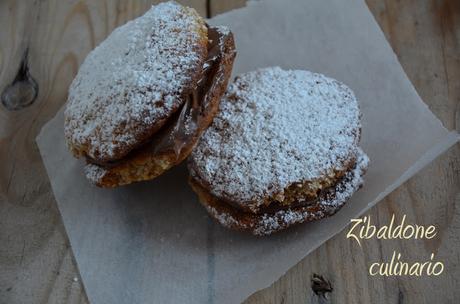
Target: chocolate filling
180	130
276	206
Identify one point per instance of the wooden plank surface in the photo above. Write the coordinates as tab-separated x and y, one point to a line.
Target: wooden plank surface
36	263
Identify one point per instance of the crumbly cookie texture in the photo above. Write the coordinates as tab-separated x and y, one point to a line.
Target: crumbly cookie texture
132	82
277	129
174	142
328	203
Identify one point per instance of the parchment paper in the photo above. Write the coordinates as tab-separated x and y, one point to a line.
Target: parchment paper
152	242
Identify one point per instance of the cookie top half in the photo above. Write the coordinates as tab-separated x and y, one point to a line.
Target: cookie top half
133	81
275	129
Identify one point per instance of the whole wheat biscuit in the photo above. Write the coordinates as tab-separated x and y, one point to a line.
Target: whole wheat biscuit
129	85
280	136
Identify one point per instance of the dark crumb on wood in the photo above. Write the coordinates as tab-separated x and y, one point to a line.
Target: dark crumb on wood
320	285
400	297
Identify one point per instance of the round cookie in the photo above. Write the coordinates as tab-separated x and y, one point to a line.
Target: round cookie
174	142
281	139
128	86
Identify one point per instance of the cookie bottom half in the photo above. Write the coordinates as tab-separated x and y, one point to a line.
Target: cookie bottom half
327	203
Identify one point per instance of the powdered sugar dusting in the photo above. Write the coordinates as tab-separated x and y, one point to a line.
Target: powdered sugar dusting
266	224
133	79
94	172
222	29
270	223
226	219
275	128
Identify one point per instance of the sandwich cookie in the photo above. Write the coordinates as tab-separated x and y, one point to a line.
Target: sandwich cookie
283	149
144	96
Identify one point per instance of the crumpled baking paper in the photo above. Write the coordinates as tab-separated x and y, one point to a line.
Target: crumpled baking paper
152	242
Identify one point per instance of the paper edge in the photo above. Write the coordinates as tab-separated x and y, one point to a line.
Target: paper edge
408	80
449	140
427	158
37	140
253	3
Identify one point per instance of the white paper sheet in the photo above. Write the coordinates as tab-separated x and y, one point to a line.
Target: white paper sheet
152	242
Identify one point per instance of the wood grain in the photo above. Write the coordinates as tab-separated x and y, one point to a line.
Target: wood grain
36	263
426	201
425	35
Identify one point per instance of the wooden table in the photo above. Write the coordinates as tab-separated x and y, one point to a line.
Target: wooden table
42	44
